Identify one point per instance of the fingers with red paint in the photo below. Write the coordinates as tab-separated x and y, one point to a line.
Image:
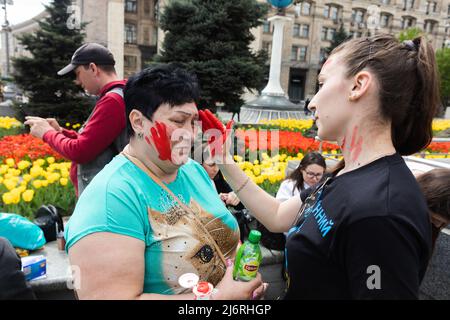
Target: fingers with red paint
161	141
209	121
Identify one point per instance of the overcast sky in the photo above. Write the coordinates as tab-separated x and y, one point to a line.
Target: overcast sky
23	10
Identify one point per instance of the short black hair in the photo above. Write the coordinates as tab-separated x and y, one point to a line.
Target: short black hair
147	90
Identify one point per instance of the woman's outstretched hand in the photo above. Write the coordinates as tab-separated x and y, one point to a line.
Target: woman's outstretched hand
218	135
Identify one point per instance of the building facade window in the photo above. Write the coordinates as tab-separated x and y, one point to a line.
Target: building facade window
298	53
130	33
385	19
131	6
358	15
385	2
430	26
130	62
408	4
296	30
294	53
266	27
328	33
303	8
304	32
323	55
407	22
306	8
302	53
331	12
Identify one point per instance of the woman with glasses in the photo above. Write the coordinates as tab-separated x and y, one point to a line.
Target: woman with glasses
364	233
308	174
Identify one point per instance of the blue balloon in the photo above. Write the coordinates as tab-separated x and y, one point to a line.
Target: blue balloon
280	3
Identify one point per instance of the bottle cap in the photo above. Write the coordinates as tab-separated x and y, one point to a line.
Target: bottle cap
254	236
188	280
203	287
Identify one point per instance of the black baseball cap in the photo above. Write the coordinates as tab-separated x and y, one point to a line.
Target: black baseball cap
89	53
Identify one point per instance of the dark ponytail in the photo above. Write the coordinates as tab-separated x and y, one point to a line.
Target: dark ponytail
414	132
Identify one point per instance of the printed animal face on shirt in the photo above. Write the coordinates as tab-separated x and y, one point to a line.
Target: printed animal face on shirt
187	248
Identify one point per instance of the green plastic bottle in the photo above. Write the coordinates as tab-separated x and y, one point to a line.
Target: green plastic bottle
248	258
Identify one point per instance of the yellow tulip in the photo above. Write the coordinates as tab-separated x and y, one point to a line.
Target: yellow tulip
10	162
63	181
9	184
22	165
53	177
51	160
44	183
28	195
37	184
27	177
36	171
8	176
7	198
15	193
3	169
22	188
64	173
40	162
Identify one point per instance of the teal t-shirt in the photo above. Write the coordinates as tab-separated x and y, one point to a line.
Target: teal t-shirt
123	199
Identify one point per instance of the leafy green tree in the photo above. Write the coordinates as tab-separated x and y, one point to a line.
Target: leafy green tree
51	48
410	34
212	38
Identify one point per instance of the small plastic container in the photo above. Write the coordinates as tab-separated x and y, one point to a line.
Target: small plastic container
202	290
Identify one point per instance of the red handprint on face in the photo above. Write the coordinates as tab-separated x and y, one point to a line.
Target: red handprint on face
209	121
161	141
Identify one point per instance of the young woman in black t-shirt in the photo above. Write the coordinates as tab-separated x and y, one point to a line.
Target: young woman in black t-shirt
365	232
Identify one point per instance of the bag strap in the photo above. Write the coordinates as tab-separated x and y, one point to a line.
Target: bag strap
144	168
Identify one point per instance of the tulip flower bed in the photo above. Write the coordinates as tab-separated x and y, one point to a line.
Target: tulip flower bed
10	126
31	175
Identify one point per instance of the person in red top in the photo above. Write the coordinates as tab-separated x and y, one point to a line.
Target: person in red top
104	133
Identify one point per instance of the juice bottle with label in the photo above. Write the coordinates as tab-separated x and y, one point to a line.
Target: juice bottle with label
248	258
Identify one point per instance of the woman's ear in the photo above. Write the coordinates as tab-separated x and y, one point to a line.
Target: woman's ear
137	121
361	83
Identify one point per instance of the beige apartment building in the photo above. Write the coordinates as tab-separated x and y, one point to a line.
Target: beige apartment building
129	28
314	23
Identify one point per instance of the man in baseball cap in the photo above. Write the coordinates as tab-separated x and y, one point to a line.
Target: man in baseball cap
89	53
103	135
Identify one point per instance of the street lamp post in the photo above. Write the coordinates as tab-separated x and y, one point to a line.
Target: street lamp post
6	29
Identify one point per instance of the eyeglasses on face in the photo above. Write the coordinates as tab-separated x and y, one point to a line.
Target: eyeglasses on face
312	175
